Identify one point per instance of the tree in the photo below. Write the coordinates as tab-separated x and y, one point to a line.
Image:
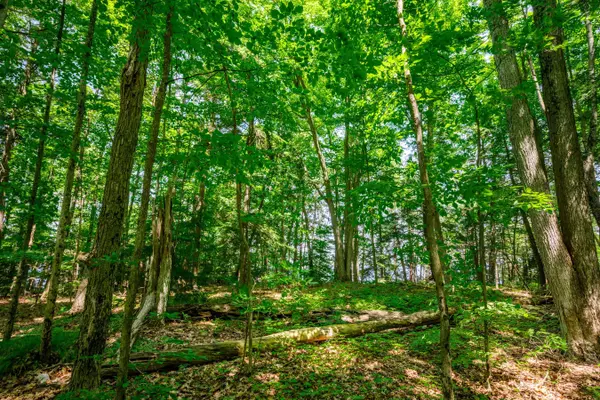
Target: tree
98	299
429	218
140	239
558	263
65	211
573	206
23	267
340	269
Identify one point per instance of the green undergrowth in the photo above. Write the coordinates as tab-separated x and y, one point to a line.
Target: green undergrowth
384	365
19	354
395	364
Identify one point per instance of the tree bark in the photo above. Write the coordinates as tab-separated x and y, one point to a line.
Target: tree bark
572	195
98	300
65	211
577	322
23	267
592	138
429	220
137	264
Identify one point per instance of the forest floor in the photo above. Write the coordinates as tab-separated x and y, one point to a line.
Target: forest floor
528	356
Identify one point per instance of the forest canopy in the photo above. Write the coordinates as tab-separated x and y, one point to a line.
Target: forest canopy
156	153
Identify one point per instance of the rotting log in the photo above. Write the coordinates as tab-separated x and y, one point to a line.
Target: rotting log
202	354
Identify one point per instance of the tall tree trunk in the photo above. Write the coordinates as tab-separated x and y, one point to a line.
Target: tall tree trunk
373	251
493	256
355	275
577	322
10	140
429	221
429	142
411	258
244	192
163	284
592	138
23	267
132	196
340	271
572	195
349	217
242	195
482	272
79	300
308	240
65	211
199	209
534	78
140	234
98	299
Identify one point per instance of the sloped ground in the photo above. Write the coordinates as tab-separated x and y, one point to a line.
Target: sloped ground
527	353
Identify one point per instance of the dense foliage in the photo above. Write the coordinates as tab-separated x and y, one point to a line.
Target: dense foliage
286	150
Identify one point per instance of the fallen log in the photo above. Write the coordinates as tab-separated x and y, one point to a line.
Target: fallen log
146	362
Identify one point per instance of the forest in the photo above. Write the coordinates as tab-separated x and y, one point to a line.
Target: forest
289	199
